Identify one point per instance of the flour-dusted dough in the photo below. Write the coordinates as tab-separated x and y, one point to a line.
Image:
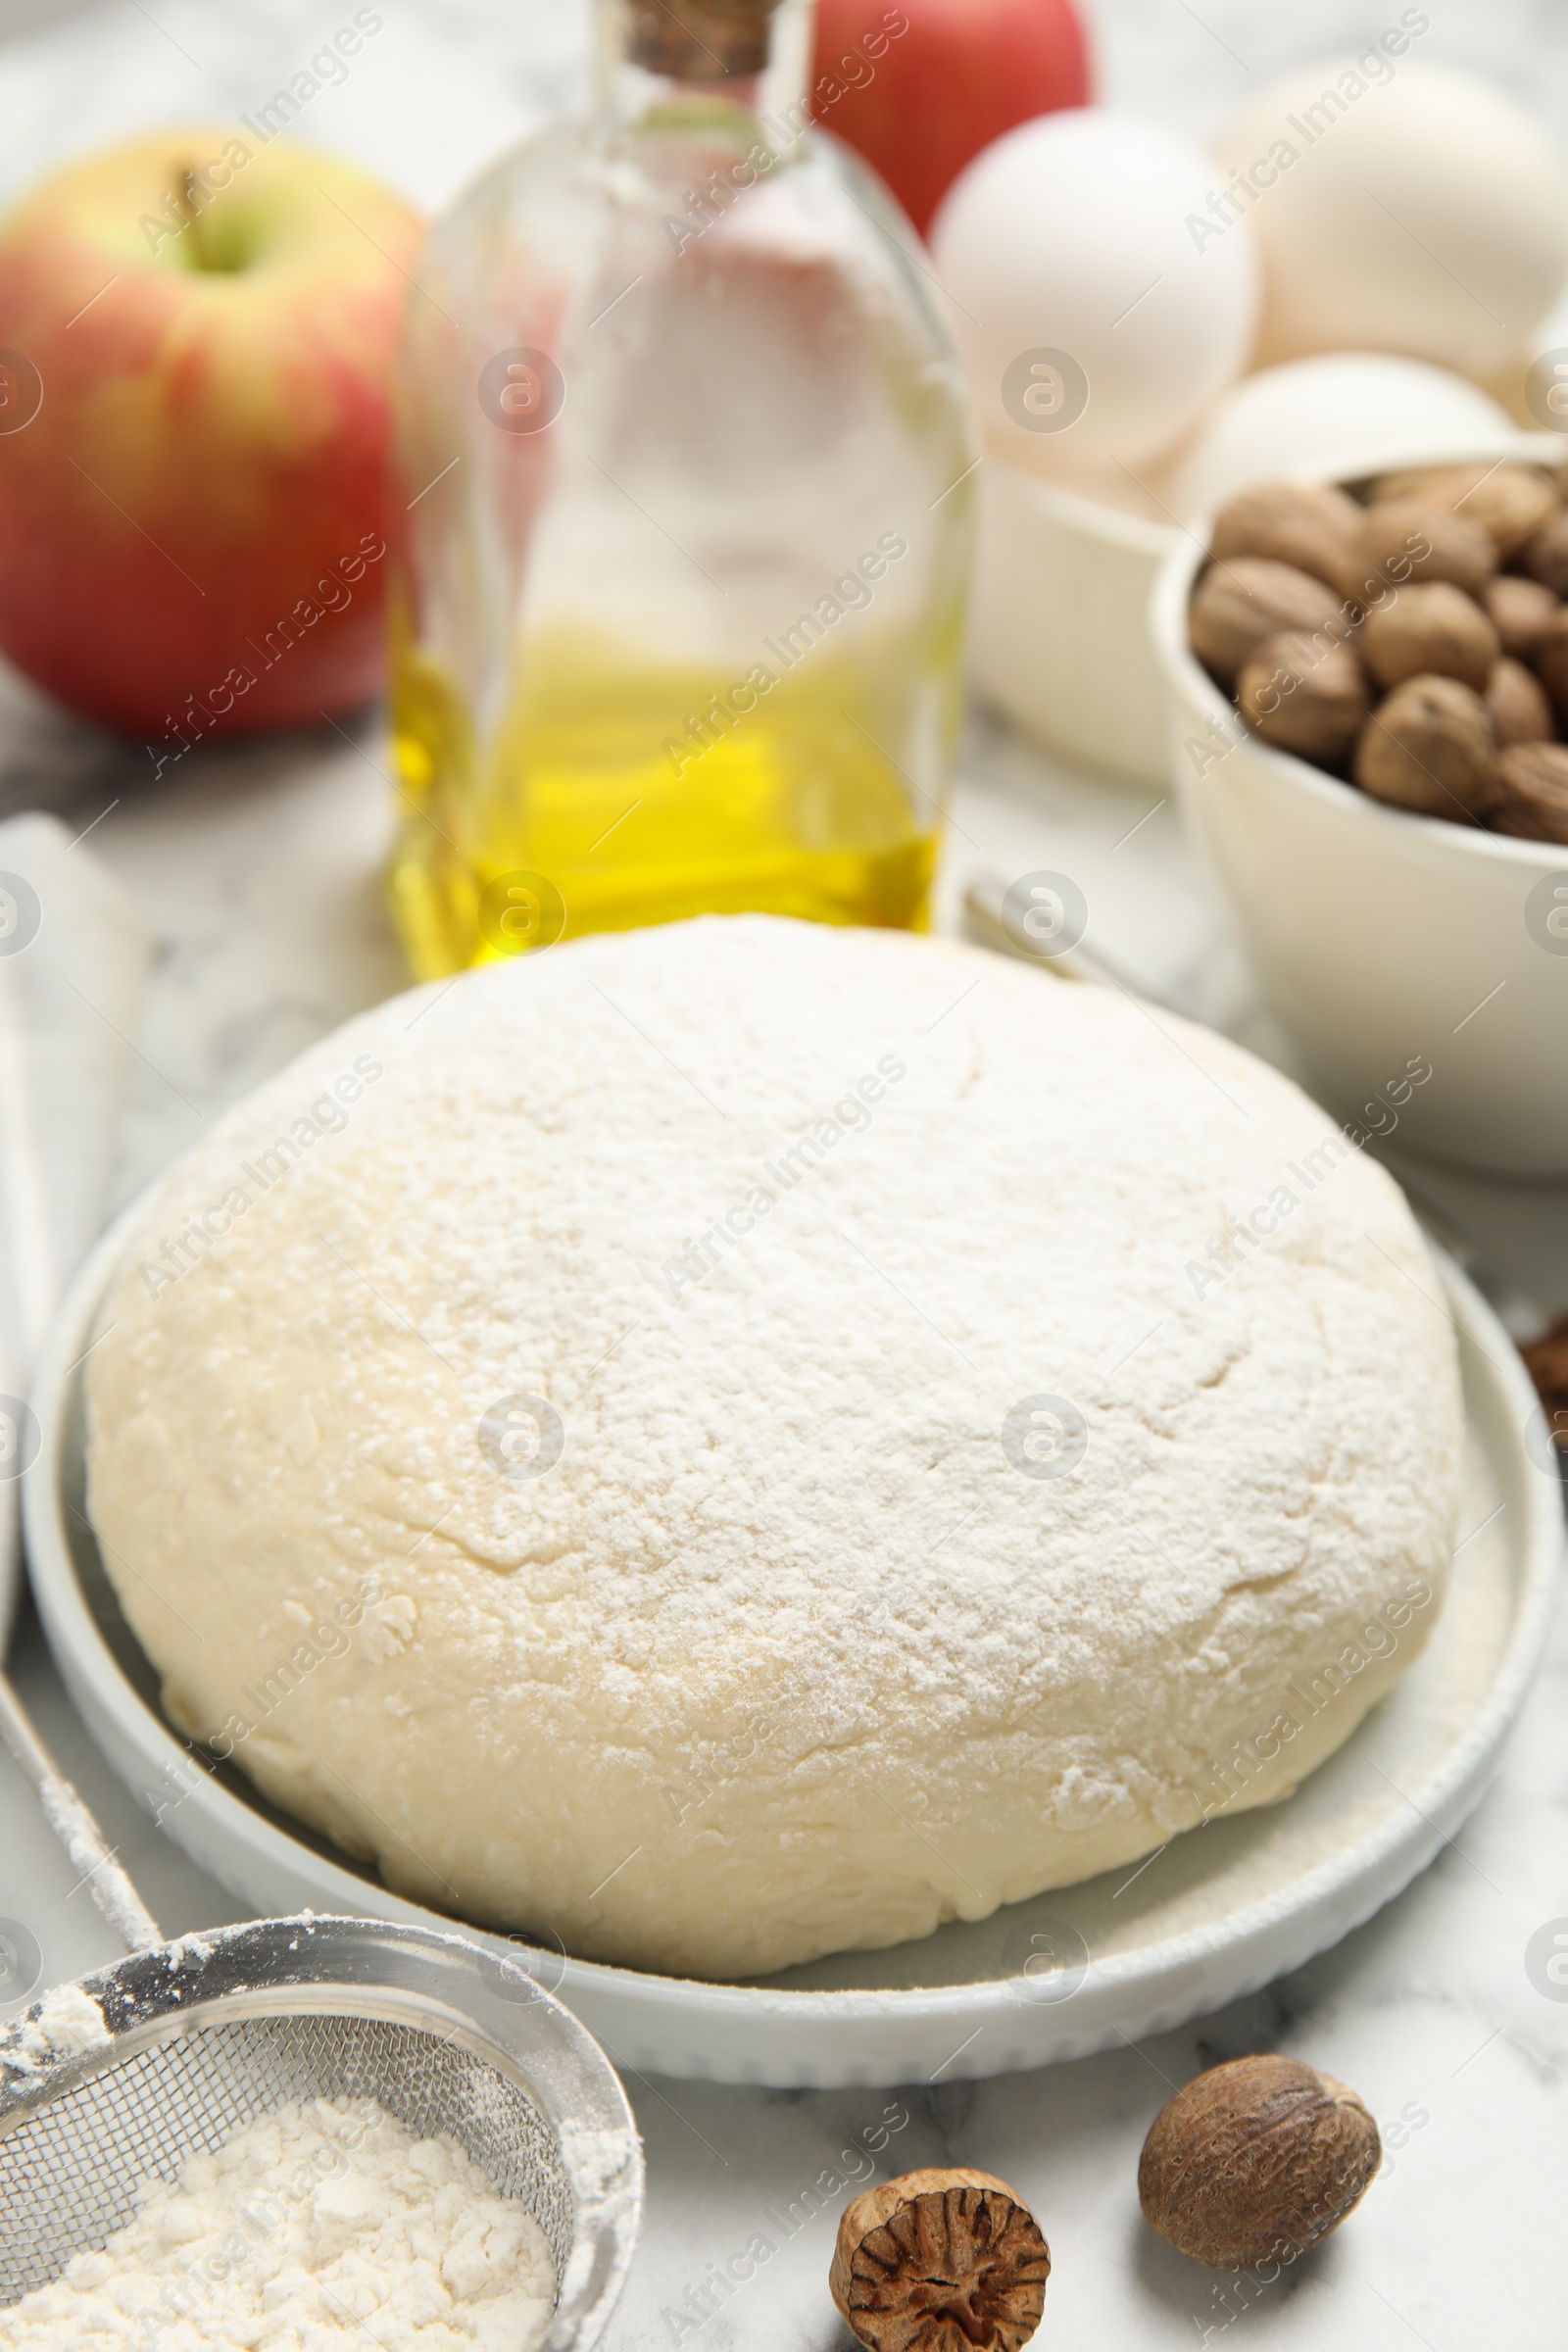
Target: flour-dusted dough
775	1626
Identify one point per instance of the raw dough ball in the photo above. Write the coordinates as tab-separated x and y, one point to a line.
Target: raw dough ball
963	1408
1398	206
1092	327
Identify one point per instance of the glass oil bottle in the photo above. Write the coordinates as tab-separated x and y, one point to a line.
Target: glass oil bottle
678	620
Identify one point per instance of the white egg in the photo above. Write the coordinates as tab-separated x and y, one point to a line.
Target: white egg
1400	205
1094	324
1348	404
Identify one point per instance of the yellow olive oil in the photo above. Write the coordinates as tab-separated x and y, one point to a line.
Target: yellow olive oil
614	793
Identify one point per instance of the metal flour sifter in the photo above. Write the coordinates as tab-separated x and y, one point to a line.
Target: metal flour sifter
175	2047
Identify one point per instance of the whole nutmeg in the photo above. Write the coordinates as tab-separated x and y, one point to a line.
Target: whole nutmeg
940	2261
1434	627
1530	793
1547	1362
1428	746
1517	702
1304	695
1509	502
1544	554
1255	2160
1237	605
1308	524
1520	611
1409	539
1550	660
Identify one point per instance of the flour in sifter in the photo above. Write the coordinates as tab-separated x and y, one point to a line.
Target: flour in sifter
318	2225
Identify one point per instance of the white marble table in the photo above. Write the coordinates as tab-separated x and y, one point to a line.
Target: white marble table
261	873
259	870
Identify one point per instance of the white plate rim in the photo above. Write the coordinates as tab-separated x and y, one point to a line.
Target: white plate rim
792	2036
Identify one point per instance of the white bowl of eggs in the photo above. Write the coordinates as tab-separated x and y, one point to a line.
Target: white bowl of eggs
1109	286
1402	889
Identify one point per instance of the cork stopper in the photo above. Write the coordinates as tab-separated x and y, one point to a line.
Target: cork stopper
700	40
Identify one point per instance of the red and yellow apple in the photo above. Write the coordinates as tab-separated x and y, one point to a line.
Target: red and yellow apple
196	340
920	87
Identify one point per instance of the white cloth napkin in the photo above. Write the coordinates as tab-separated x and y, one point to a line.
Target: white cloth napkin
73	957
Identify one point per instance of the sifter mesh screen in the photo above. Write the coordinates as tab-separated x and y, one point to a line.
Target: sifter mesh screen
69	2171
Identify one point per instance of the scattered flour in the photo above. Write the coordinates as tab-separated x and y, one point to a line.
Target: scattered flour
68	2024
320	2226
605	2171
187	1948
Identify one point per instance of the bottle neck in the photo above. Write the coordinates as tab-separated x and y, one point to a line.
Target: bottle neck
663	57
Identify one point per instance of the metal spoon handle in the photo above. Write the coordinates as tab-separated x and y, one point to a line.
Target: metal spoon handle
78	1831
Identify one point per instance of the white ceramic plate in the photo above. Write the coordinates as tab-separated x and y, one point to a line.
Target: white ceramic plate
1215	1914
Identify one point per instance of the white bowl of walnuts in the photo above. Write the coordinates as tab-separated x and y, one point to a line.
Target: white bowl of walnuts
1369	682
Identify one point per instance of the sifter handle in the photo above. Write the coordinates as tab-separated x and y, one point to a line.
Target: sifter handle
983	899
75	1827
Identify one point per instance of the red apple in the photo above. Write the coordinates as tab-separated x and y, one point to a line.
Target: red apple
920	102
196	337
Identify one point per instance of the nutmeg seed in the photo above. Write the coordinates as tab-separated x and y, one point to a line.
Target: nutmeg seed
1544	554
1550	660
1408	539
1308	524
1521	611
1429	747
1434	627
1547	1362
1255	2160
1509	502
1530	793
1518	705
942	2260
1304	695
1238	604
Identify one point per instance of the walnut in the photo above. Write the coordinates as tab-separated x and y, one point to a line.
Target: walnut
1518	705
1550	660
1303	695
1238	604
1410	539
940	2261
1428	746
1544	556
1521	611
1530	793
1509	502
1307	524
1435	627
1255	2160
